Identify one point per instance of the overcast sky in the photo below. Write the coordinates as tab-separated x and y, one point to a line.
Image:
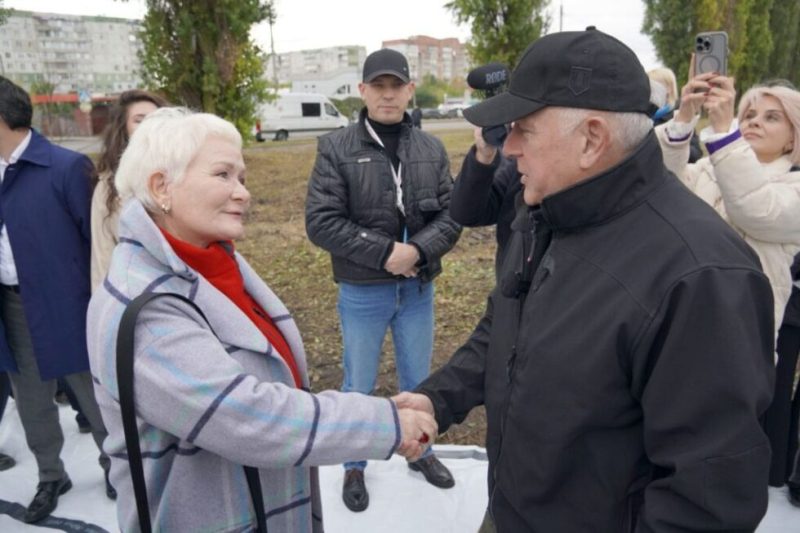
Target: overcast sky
305	24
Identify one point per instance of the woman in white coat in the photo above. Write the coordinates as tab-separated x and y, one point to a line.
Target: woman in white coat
752	179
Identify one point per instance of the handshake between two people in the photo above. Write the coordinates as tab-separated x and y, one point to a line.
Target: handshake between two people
417	426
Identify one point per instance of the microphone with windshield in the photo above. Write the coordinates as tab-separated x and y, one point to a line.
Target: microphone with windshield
490	80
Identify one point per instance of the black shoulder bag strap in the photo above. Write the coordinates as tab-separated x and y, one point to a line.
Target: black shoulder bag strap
125	338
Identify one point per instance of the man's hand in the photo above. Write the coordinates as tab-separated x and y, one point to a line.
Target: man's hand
484	153
412	400
403	259
417	431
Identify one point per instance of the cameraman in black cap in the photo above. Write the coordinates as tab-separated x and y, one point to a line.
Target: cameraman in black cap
485	190
616	401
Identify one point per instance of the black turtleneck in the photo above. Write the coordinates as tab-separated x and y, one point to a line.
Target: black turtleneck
389	135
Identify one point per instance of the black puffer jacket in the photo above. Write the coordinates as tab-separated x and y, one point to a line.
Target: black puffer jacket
351	205
623	393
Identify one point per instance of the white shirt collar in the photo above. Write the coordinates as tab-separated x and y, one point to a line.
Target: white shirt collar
18	151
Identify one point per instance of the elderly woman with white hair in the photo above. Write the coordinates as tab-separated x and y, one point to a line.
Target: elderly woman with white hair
229	389
752	179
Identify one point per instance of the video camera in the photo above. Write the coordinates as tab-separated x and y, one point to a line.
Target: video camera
490	80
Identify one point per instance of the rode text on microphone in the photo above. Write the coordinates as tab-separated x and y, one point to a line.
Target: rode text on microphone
490	80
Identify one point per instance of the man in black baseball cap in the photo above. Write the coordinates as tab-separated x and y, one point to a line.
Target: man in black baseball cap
386	61
626	356
586	69
378	202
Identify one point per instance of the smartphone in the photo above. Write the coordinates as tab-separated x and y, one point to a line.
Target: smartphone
711	52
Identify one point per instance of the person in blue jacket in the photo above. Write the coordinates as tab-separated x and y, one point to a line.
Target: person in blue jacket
44	288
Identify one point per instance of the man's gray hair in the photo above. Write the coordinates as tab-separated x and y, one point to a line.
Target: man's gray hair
167	141
628	130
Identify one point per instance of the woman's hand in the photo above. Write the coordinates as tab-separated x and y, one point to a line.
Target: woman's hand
719	103
418	429
712	92
693	94
413	400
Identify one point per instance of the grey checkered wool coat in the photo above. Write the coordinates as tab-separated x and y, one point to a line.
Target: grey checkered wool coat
207	404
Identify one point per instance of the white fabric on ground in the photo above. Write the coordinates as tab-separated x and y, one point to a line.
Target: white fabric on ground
400	500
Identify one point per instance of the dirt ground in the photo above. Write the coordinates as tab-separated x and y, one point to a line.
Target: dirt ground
277	246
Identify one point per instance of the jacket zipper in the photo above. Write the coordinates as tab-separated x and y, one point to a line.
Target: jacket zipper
509	382
512	363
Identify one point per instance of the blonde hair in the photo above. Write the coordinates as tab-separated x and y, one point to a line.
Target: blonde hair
166	141
666	77
790	102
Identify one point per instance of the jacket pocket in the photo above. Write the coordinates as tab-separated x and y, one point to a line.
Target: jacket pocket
429	207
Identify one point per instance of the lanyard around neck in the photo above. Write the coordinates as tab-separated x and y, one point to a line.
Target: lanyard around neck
396	174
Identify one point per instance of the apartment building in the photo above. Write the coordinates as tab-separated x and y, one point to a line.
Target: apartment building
74	53
446	59
330	69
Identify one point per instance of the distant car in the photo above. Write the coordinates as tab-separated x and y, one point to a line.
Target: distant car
431	112
453	107
297	112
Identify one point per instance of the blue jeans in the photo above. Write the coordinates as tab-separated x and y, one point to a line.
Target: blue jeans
366	312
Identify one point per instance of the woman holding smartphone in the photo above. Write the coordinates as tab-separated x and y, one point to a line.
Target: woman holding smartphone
751	177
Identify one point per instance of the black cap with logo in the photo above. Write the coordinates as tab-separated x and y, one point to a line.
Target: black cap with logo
585	69
386	61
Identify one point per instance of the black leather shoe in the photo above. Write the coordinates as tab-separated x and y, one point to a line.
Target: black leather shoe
434	471
794	495
6	462
46	499
354	491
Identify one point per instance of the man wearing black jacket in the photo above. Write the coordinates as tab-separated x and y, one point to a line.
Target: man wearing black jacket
377	201
485	190
626	356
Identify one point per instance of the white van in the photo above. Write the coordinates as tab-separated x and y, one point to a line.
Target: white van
296	112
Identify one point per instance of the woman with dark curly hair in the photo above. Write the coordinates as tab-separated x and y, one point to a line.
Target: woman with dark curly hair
127	113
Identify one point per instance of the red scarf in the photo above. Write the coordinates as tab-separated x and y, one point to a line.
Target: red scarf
218	265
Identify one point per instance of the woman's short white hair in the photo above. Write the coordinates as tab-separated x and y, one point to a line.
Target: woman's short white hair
166	141
628	130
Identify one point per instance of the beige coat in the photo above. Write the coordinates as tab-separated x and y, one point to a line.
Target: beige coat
760	201
104	231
